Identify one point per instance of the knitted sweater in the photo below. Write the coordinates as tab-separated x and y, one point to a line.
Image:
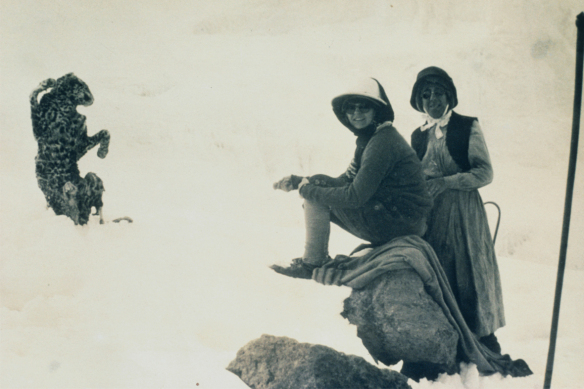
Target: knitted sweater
388	172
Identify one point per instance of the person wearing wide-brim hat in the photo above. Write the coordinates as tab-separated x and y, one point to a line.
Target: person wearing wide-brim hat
456	163
382	194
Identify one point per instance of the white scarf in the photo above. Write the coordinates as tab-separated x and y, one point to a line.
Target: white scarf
441	122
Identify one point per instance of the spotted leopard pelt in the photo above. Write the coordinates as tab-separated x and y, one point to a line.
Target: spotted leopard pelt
61	134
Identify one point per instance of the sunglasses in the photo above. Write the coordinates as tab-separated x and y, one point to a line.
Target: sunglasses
437	92
351	108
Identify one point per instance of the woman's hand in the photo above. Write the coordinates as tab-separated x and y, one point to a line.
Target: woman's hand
436	186
288	183
302	183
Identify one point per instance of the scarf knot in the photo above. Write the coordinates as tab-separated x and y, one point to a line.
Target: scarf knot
438	123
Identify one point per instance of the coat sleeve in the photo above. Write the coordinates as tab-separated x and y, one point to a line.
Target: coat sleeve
342	180
326	181
378	158
481	171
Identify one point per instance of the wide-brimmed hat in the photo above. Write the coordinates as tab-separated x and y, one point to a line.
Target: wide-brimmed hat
433	75
369	89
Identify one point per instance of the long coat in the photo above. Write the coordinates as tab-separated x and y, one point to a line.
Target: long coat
458	229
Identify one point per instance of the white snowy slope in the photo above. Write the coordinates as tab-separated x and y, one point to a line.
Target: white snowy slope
209	104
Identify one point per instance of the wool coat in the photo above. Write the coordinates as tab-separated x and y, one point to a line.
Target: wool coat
382	194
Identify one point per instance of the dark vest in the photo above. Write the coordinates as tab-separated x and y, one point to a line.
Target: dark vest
457	137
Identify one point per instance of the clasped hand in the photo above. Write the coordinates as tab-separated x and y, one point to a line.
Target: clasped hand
436	186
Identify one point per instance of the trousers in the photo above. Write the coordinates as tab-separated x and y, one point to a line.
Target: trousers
370	225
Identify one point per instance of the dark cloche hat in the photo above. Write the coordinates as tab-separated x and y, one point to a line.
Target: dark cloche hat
434	75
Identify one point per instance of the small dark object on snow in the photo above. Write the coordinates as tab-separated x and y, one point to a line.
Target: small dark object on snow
280	363
126	218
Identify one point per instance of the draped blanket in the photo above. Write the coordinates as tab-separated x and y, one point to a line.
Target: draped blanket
413	252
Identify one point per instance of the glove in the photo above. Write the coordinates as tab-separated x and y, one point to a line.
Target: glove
288	183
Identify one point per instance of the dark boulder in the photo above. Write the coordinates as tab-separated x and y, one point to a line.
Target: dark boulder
283	363
397	320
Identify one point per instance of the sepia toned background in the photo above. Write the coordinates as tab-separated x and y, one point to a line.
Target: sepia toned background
207	104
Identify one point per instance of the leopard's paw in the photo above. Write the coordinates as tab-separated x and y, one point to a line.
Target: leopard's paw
102	151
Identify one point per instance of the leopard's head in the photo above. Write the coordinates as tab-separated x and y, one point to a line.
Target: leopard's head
74	90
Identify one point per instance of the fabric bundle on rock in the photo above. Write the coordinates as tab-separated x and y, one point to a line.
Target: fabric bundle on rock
413	252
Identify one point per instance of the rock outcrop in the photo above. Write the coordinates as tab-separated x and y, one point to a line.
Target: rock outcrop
397	320
280	363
